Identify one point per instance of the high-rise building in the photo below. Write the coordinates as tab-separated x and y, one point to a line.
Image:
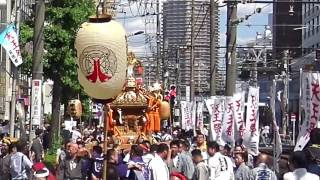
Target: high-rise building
177	15
311	28
287	20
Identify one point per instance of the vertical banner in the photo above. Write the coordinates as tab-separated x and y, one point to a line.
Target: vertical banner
36	102
183	105
10	41
188	93
200	116
186	119
311	104
239	99
277	148
216	110
251	136
194	116
209	104
228	122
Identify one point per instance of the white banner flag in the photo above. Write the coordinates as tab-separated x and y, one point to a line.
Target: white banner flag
216	110
239	99
277	139
10	41
311	105
200	116
209	104
186	119
251	136
228	122
36	102
194	116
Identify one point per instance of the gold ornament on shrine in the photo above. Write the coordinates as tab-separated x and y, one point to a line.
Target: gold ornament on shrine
101	56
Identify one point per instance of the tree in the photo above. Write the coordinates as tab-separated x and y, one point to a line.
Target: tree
63	19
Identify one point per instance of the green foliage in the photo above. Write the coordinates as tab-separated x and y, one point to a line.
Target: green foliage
50	156
26	36
50	161
63	19
56	144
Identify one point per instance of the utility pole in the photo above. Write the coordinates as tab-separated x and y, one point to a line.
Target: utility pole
37	67
213	47
255	72
192	85
256	58
158	42
178	88
231	48
14	74
285	100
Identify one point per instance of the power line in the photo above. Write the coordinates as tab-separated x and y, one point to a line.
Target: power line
274	2
202	23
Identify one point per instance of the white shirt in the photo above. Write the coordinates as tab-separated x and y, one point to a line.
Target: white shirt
220	167
175	160
205	131
166	137
300	174
158	168
75	135
147	158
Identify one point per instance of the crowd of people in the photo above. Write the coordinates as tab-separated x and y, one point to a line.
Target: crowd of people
177	155
179	159
79	157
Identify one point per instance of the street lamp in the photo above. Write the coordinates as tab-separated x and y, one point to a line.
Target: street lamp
136	33
300	28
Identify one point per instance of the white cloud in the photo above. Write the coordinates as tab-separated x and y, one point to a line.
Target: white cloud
243	41
137	49
222	39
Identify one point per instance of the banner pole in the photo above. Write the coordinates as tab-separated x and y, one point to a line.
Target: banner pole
274	84
300	105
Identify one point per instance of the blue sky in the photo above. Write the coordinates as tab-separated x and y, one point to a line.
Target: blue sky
246	33
133	23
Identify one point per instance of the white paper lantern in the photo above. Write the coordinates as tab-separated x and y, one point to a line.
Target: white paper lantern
102	58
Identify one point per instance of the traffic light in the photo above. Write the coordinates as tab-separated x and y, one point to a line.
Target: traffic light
75	108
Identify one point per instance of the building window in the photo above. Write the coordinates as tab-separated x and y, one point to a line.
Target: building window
313	27
317	24
308	30
312	8
304	9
